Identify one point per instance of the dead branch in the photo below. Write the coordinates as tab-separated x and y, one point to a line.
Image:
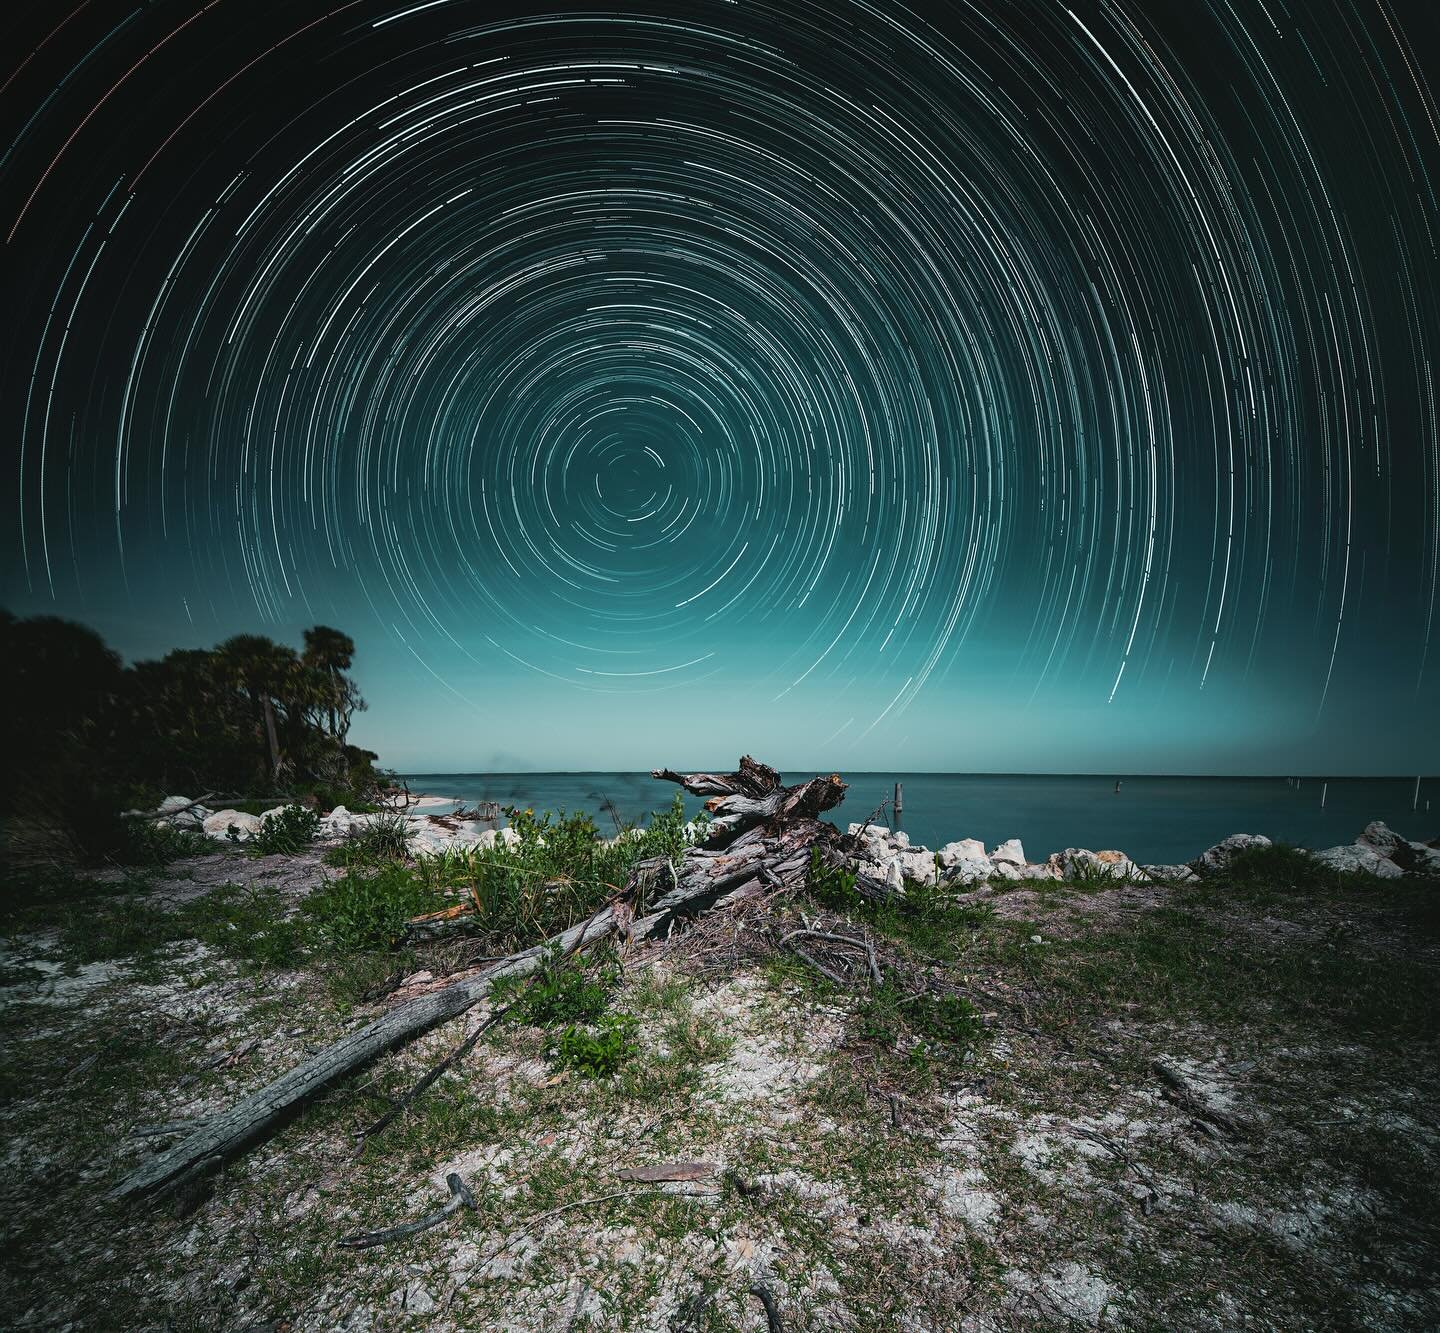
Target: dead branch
1184	1094
460	1197
864	944
772	1311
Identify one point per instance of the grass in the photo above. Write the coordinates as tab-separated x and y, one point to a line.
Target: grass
384	838
1322	982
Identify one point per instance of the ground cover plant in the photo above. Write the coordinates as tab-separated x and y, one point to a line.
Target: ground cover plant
985	1137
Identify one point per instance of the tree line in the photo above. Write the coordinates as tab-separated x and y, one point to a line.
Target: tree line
249	716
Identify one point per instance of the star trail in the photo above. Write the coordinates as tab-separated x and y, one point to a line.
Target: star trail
965	385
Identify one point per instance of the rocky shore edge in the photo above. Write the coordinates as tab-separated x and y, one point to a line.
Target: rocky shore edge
883	853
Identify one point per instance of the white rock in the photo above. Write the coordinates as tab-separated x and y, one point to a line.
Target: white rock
1359	859
966	849
505	837
171	804
1214	861
1424	859
918	865
219	824
1171	874
1417	857
1081	863
895	876
971	869
1009	852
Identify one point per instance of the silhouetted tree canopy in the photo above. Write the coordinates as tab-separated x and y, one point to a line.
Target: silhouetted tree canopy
250	716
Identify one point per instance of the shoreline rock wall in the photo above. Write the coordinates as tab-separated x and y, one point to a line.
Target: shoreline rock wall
879	851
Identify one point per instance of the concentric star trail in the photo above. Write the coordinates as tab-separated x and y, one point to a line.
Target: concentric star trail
834	356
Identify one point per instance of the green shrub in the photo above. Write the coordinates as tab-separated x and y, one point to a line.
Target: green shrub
359	911
147	842
557	872
288	831
561	991
600	1050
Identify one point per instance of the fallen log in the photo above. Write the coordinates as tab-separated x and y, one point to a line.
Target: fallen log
229	1133
768	838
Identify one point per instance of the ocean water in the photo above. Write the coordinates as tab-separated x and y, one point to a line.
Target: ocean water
1152	818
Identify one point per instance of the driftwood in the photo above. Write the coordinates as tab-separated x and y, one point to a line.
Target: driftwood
252	1118
761	841
460	1197
754	795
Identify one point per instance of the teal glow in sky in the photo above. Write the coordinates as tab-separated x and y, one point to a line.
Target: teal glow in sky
1010	387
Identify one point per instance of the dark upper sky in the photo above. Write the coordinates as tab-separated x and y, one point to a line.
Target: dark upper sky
1030	386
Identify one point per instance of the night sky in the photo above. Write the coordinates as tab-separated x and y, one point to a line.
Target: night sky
1013	386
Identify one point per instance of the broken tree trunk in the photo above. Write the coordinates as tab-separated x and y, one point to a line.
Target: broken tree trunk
753	795
768	835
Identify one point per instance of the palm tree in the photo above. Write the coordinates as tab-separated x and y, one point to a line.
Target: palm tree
330	651
260	666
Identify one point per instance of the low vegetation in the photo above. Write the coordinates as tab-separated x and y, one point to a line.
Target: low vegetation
982	1137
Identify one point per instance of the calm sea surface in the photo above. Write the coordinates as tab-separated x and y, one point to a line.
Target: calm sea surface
1151	818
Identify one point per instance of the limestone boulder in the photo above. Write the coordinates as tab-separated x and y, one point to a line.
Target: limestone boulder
1416	857
1009	852
918	865
1217	858
1383	839
1424	859
1171	874
221	822
1082	863
1359	858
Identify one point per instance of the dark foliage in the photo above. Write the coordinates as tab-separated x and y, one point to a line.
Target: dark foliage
91	736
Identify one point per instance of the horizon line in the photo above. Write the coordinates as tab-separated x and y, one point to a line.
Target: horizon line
1108	776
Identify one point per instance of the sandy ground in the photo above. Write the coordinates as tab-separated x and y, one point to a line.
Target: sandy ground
1043	1177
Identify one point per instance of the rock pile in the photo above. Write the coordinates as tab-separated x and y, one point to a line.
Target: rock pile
426	834
889	856
882	853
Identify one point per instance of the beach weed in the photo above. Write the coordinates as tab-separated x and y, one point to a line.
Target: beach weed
147	842
562	990
599	1050
289	831
386	837
554	870
362	911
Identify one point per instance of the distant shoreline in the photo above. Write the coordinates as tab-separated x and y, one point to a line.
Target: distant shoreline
851	773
